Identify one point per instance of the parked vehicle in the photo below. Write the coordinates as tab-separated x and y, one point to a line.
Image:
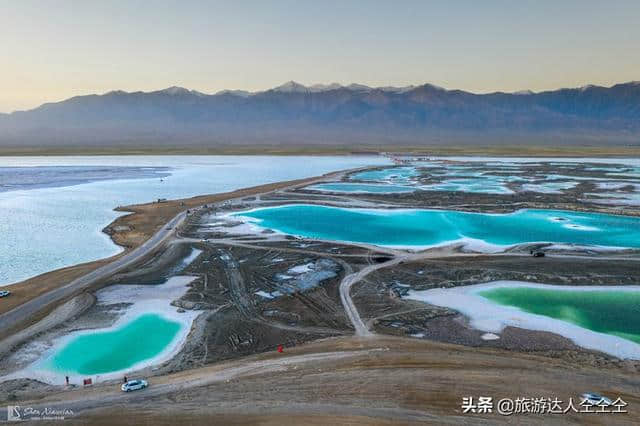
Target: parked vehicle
595	399
5	293
133	385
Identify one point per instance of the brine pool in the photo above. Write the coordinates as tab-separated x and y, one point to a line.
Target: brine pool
107	351
361	188
478	185
468	178
398	175
604	318
611	312
416	228
147	331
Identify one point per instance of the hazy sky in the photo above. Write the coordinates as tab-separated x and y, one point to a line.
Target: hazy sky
51	50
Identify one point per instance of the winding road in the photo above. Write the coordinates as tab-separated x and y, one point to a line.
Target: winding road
107	394
23	312
349	280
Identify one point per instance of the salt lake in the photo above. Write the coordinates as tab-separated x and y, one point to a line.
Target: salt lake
118	349
46	228
613	311
145	329
417	228
604	318
487	176
360	188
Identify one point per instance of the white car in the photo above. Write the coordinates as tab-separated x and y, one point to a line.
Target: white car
133	385
4	293
595	399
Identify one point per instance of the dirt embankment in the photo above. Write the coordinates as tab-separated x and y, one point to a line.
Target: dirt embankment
380	380
57	316
131	230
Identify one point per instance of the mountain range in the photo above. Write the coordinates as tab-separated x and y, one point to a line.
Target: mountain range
332	114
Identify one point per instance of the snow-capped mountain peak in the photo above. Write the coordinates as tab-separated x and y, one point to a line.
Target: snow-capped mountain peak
176	91
325	87
291	87
524	92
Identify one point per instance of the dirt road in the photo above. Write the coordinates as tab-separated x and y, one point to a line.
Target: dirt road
377	380
154	223
23	312
349	280
110	394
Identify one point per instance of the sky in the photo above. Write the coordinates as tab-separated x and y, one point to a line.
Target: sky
52	50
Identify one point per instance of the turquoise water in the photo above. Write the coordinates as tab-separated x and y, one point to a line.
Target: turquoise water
632	172
107	351
484	185
548	187
465	180
361	187
610	312
431	227
400	175
48	228
469	178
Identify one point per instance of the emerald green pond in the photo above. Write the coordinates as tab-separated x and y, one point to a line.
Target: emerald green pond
102	352
603	311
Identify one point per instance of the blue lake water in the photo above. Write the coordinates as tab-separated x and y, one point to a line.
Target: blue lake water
397	175
432	227
16	178
548	187
483	185
48	228
473	177
361	188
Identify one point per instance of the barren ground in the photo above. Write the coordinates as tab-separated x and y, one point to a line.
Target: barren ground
416	362
377	380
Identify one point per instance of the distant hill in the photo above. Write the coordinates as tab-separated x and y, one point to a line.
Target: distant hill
332	114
